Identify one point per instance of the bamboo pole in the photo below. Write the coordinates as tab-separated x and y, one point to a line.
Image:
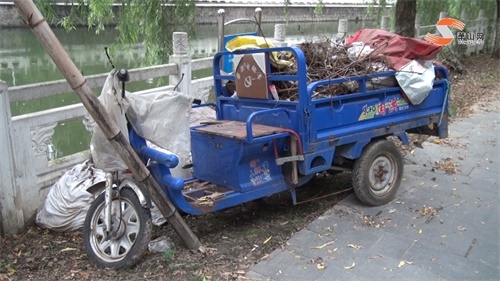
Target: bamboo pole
36	22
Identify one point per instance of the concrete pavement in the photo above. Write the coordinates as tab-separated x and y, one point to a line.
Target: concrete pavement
442	226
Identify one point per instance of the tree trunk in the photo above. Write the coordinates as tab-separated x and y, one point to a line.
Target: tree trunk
34	19
406	11
496	45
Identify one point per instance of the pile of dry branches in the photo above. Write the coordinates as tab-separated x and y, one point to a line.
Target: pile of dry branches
327	60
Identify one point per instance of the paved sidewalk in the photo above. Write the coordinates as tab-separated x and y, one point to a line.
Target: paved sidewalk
441	226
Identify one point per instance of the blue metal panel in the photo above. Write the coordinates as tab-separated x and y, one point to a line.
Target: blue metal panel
299	120
354	113
233	163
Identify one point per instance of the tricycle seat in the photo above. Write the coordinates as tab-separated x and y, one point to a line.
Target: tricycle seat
237	129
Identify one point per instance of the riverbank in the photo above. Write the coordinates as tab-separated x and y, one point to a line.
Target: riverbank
207	13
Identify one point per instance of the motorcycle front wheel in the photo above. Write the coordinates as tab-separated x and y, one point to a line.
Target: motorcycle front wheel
130	234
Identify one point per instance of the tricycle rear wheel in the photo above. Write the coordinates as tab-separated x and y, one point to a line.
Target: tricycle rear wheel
377	173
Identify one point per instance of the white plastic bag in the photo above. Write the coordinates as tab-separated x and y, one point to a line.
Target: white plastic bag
103	153
68	201
416	80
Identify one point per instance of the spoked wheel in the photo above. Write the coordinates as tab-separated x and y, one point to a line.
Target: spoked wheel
377	173
130	234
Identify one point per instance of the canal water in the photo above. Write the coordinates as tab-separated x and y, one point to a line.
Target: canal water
24	61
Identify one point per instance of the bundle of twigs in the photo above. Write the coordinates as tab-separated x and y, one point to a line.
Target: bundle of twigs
327	60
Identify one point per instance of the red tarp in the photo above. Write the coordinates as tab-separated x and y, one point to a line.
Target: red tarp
395	50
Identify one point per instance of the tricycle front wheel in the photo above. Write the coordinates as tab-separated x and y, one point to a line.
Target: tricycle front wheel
131	230
377	173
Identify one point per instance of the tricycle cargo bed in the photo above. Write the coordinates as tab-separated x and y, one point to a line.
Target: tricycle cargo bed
341	119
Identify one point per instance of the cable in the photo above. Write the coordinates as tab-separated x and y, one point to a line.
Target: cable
109	58
292	132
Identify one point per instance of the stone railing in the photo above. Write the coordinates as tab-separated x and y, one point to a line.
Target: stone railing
27	169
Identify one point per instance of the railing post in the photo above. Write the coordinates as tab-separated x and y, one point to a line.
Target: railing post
11	217
466	48
220	29
183	61
418	19
480	28
258	20
385	23
442	15
280	35
343	28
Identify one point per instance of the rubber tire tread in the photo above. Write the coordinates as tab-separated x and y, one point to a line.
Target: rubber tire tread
360	172
141	241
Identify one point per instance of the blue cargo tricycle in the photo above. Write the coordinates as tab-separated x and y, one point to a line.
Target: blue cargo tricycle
260	146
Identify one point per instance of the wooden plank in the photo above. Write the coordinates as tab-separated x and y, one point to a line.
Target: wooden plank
237	129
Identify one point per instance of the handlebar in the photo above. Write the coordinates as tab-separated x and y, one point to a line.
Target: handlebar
169	160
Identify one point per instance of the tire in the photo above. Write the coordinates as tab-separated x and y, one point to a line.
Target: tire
126	246
377	173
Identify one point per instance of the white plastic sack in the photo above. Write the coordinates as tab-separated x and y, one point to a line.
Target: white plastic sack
201	114
416	80
103	153
68	201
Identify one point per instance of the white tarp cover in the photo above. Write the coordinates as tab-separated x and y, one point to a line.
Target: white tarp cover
163	119
68	201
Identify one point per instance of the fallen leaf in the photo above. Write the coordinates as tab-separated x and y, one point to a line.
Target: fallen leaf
377	256
320	266
419	231
351	266
443	236
354	246
330	251
267	240
322	246
11	270
401	263
68	249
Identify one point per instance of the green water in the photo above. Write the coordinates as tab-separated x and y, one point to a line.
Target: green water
24	61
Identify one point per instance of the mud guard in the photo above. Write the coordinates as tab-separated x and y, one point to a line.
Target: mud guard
144	199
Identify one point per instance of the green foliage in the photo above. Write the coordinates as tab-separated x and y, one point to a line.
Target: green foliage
168	255
377	8
148	24
430	9
319	7
286	4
